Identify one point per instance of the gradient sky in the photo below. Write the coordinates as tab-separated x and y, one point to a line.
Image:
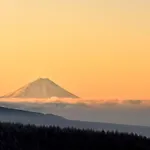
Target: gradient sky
93	48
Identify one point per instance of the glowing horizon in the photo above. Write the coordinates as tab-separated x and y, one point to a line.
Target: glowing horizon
94	48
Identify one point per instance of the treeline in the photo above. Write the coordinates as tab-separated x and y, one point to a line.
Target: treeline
30	137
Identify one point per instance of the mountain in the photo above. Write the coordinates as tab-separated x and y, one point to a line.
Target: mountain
40	88
26	117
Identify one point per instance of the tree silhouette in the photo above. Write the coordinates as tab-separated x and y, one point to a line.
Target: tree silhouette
30	137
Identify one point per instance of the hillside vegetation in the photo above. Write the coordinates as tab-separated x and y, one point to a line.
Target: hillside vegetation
30	137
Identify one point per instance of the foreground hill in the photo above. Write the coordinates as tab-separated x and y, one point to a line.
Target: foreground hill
20	137
26	117
40	88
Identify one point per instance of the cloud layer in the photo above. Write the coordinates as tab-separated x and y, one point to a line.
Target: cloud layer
134	112
83	102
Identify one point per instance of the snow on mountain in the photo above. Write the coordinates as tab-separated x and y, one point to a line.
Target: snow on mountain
40	88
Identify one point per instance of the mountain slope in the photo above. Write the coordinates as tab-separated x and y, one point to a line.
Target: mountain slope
40	88
26	117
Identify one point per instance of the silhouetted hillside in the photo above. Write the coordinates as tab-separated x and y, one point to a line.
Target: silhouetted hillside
29	137
26	117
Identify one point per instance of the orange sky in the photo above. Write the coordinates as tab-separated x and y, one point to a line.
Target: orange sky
93	48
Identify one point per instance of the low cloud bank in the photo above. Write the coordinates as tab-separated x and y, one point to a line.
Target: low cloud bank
133	112
82	102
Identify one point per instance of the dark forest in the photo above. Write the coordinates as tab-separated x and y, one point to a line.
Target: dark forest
30	137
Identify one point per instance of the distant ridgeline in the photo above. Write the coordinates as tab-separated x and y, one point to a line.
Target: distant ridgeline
29	137
39	119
